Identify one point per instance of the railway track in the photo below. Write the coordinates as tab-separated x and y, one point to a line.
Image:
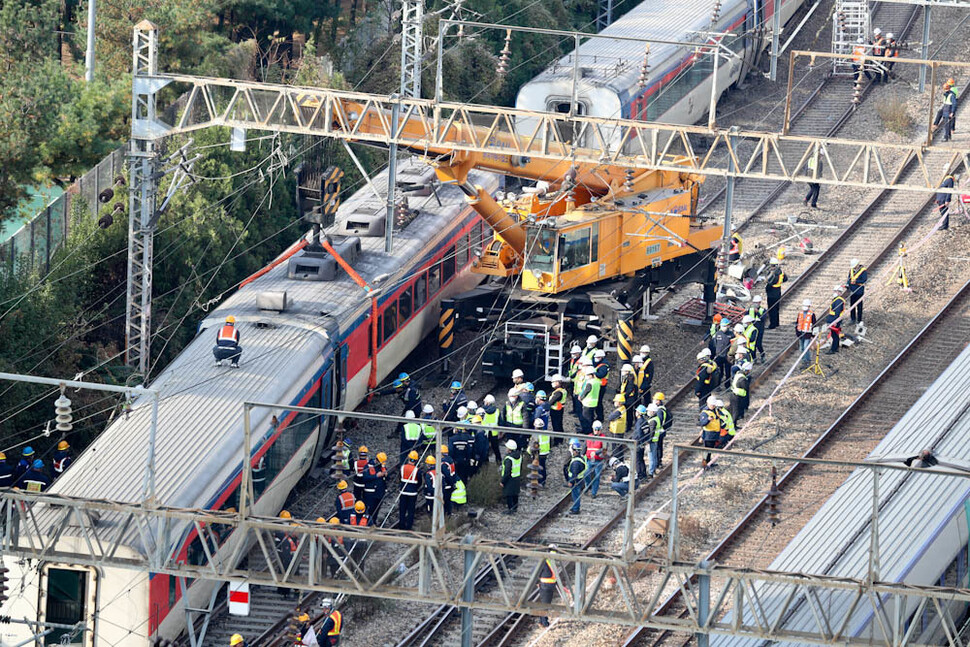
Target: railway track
805	487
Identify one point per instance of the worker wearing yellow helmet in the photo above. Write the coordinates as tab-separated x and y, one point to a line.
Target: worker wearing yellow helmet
286	545
344	504
62	458
6	472
227	344
237	640
410	477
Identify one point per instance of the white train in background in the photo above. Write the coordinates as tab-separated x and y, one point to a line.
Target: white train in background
677	86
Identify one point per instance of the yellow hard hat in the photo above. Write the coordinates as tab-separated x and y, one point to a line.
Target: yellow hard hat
780	253
231	319
413	455
235	640
659	396
342	485
619	398
429	460
3	456
381	457
359	506
63	445
950	81
335	520
477	420
286	515
444	449
303	617
362	449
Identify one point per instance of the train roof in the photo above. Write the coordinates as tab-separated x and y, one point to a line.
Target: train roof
914	508
199	433
616	63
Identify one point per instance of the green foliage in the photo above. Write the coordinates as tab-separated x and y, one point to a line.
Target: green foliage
485	488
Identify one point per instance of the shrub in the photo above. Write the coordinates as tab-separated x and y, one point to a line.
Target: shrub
485	488
895	115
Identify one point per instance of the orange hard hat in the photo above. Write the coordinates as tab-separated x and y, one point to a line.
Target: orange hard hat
381	457
63	445
429	460
950	81
444	449
717	318
335	520
286	515
359	506
321	520
342	485
362	449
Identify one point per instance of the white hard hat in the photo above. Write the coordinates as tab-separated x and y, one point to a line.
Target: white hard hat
326	603
807	303
557	377
462	412
599	352
409	414
518	373
747	366
510	444
861	40
747	319
890	35
539	423
742	350
877	31
592	339
719	403
704	353
575	350
626	368
738	327
757	298
489	399
773	260
837	289
637	359
427	409
472	405
589	370
644	350
597	424
480	412
652	408
513	393
853	262
711	401
585	361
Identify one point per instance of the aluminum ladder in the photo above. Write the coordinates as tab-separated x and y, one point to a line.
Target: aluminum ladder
850	22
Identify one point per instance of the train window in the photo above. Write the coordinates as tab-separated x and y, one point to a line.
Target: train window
420	291
66	599
434	280
462	256
390	322
448	265
574	249
286	445
541	248
594	245
404	305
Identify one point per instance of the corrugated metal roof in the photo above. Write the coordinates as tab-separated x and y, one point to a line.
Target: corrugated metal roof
199	434
913	507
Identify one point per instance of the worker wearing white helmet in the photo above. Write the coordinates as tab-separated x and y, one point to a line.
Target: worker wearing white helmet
705	375
645	350
858	277
603	375
776	276
332	623
557	404
512	476
804	331
490	413
590	397
834	318
643	371
740	385
758	313
726	420
750	333
591	342
621	420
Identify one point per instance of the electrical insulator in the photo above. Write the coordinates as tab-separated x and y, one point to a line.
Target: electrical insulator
644	68
774	496
62	407
341	456
534	469
506	54
3	584
716	14
628	182
402	211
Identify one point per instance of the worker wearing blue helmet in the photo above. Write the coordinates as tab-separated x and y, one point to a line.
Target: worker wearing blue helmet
541	411
26	458
457	399
35	479
405	389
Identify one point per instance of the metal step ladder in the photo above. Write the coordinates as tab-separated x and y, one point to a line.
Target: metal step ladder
850	22
551	336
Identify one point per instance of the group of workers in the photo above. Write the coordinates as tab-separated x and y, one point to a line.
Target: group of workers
879	46
30	472
327	635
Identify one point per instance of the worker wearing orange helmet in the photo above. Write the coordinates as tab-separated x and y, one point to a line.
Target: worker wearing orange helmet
374	483
227	343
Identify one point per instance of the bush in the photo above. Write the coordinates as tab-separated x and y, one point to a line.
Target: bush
895	115
485	488
693	531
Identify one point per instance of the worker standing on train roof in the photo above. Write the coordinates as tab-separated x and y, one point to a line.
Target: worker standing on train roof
62	458
630	393
758	312
547	584
574	471
739	392
736	247
943	200
776	276
814	171
710	426
457	399
705	375
834	318
946	115
6	472
411	436
410	475
720	346
332	624
286	547
590	399
512	476
858	275
544	444
557	403
344	503
227	344
35	479
591	346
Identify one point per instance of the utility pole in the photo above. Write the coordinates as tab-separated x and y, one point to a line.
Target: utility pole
89	55
604	15
412	19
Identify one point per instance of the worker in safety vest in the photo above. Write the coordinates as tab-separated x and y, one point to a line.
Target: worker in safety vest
428	429
617	423
946	115
758	312
644	374
776	276
513	413
590	399
490	420
878	45
621	477
750	334
35	479
227	343
579	383
557	403
666	423
720	346
573	372
26	460
630	392
62	458
858	275
943	200
457	399
595	458
286	546
6	472
430	474
512	476
574	471
705	375
710	426
410	475
728	429
547	583
360	516
956	95
359	466
449	474
735	249
859	60
892	51
411	434
332	624
374	483
805	330
834	318
344	504
543	442
591	347
740	384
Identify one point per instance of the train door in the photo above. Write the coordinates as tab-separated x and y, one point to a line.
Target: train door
69	596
